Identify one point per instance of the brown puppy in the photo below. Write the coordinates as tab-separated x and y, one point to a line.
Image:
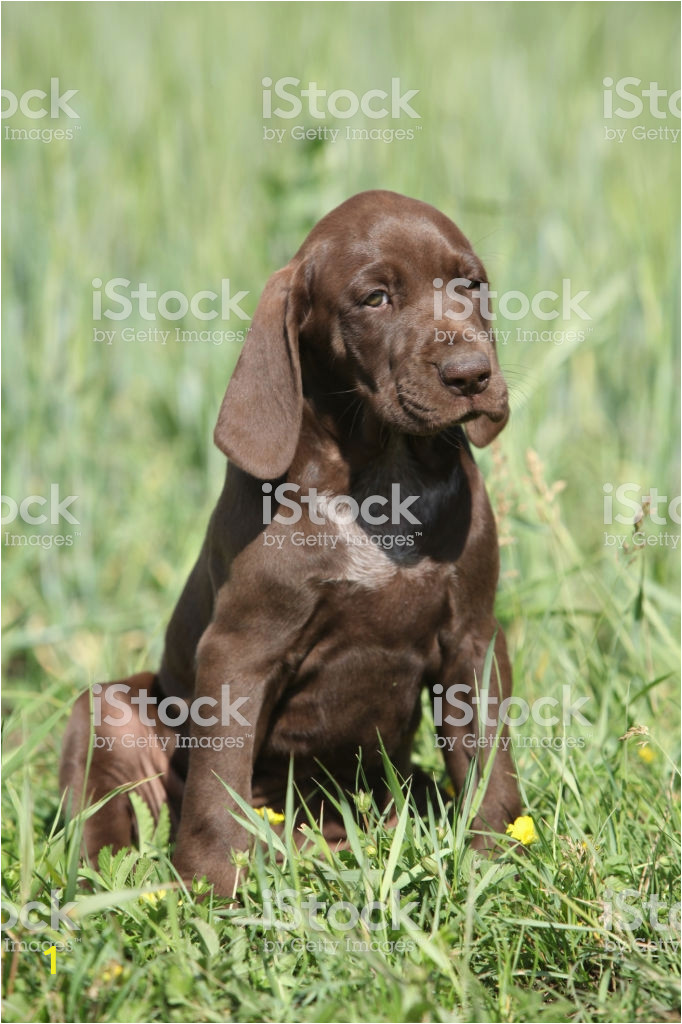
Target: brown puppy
313	635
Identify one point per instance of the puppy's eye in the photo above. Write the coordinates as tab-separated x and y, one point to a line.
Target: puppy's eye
473	285
377	298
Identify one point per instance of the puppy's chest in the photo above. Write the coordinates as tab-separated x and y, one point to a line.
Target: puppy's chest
363	658
377	532
376	560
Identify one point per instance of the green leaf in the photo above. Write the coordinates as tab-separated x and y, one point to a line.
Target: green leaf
207	935
145	820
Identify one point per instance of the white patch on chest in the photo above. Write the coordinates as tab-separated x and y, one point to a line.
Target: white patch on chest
364	558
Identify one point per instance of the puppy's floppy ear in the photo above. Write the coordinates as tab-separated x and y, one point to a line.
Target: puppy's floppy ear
260	417
483	430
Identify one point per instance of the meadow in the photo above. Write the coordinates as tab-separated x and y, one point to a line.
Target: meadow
169	178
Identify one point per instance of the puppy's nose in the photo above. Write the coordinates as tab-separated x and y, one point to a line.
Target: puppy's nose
468	374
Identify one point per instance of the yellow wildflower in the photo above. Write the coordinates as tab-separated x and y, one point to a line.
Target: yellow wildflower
111	972
267	814
153	897
523	830
647	753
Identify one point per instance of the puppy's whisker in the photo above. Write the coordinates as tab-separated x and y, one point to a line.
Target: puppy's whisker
357	410
346	391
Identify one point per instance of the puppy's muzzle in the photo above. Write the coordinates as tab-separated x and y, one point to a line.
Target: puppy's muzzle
466	375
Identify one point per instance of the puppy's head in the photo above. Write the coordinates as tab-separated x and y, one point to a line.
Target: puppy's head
386	294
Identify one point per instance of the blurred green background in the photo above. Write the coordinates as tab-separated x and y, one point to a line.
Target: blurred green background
168	181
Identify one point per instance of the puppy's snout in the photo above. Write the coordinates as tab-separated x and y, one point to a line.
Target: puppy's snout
467	374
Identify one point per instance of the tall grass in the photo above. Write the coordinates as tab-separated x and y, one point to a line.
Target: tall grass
168	181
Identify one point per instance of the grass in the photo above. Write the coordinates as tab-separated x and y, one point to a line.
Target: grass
168	181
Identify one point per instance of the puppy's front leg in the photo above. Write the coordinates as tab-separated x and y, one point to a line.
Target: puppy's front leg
474	732
240	676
